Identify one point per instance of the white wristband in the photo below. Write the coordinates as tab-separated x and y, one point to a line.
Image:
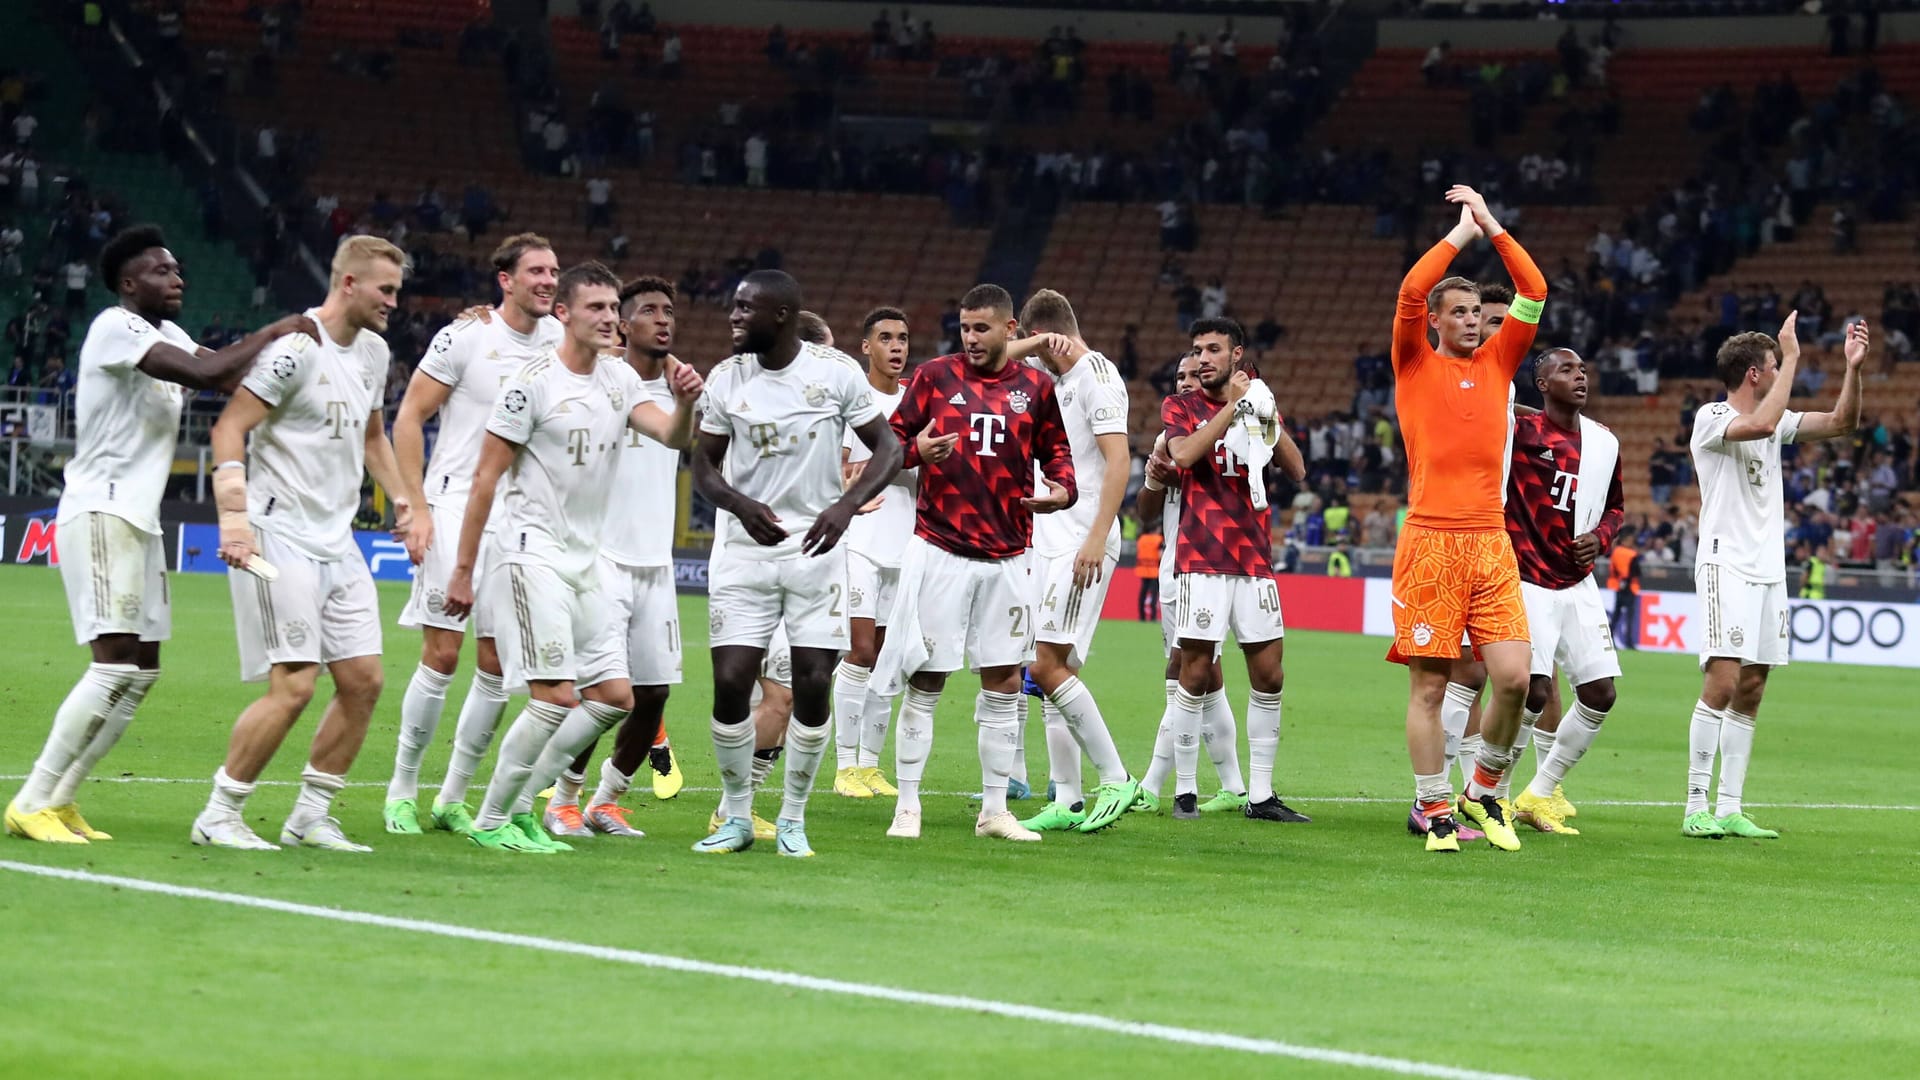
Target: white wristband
230	465
1153	485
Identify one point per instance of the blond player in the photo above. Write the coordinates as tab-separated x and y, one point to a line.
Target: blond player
314	413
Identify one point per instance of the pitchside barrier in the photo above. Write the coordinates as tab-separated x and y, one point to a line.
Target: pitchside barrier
1845	631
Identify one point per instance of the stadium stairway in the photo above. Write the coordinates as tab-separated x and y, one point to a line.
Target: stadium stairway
218	278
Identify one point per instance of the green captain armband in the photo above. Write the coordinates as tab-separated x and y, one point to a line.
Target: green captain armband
1526	310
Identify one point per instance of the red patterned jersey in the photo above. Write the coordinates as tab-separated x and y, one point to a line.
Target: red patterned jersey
1220	531
1541	488
1007	422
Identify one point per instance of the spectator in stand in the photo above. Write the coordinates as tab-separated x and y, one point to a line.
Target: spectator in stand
215	334
1267	334
753	154
1213	299
1433	67
1376	529
1186	304
476	210
430	208
599	203
74	273
24	125
670	55
1128	361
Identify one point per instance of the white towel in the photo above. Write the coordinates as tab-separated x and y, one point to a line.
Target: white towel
1599	450
1252	435
905	650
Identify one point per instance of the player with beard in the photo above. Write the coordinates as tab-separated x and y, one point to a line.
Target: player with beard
977	423
1225	579
1218	731
776	416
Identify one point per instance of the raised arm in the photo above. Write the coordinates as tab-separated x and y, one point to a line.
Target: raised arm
243	413
1529	284
222	370
1761	422
496	456
1844	417
1187	449
1410	311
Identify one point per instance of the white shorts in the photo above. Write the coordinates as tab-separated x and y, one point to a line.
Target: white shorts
115	576
870	588
641	601
427	605
314	612
749	598
1213	604
551	632
973	613
1069	615
777	665
1569	627
1745	620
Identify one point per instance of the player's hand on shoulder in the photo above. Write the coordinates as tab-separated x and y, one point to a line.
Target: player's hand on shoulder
1056	498
297	324
761	523
480	313
1857	344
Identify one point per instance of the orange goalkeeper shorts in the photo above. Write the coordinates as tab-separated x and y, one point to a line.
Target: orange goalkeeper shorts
1446	584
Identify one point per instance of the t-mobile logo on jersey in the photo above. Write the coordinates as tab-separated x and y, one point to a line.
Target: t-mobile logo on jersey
989	431
1228	461
1564	484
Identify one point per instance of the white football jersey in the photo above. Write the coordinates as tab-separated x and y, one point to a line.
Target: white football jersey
127	421
307	456
1093	402
882	535
1742	513
571	430
1169	534
786	428
474	359
639	526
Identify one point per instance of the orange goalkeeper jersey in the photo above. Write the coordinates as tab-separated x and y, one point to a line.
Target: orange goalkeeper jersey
1453	412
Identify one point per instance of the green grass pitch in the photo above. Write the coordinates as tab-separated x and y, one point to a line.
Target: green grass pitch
1627	951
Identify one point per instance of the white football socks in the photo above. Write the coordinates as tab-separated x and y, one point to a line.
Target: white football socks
733	752
613	784
1222	737
1263	743
1063	756
1527	721
1736	746
1577	730
106	738
912	745
1162	762
876	716
1089	729
1455	710
806	745
420	709
1186	742
849	705
229	796
1469	750
1703	742
519	752
998	716
472	733
81	716
315	800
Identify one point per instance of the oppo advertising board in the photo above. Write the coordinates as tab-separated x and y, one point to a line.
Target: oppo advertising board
1824	631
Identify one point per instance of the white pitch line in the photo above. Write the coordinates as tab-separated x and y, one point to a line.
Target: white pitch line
1358	800
1089	1021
